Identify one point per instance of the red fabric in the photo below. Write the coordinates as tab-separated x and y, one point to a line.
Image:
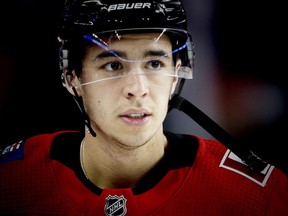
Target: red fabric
37	185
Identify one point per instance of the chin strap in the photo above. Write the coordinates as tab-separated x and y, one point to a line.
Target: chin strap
85	117
244	153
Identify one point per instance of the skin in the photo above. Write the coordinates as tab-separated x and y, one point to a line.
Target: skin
125	148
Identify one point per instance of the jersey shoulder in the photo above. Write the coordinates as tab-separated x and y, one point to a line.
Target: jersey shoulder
17	150
225	159
12	152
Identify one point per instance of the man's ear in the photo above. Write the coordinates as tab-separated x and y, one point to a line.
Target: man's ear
71	82
175	79
174	84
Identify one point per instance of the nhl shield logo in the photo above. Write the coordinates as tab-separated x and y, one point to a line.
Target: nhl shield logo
115	206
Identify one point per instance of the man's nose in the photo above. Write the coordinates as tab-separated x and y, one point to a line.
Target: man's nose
136	84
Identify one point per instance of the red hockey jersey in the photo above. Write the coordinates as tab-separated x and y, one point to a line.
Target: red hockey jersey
42	176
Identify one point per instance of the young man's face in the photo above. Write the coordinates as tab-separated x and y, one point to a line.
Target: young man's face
126	96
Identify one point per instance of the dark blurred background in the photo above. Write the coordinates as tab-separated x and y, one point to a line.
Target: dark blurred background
238	79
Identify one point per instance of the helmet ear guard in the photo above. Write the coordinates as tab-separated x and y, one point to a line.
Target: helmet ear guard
63	63
187	57
67	76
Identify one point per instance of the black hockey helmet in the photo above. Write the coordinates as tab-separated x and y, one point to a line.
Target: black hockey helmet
82	18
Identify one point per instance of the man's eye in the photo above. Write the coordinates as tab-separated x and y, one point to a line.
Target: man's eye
113	66
154	65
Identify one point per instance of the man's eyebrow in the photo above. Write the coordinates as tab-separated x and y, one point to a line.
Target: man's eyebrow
155	53
111	53
123	55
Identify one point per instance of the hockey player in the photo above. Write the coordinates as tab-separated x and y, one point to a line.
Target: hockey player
123	61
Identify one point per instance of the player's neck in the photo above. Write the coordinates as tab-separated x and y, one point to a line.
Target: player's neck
122	168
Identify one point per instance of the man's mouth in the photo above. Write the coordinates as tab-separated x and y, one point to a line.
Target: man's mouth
136	115
136	118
